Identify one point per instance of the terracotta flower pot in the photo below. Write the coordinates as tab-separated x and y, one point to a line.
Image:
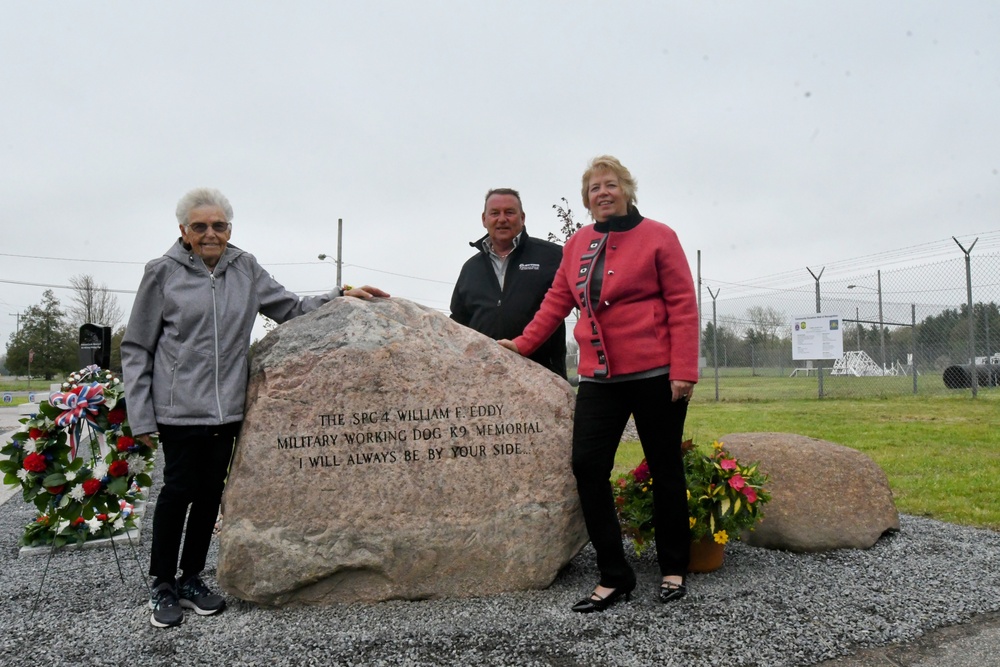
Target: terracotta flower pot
706	555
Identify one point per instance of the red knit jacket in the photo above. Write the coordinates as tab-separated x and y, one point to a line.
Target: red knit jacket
648	313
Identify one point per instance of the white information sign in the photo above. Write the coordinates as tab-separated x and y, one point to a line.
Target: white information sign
817	337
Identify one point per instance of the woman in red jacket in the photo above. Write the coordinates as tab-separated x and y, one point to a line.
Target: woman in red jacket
638	337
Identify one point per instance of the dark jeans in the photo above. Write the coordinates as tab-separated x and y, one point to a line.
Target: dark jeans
602	411
196	461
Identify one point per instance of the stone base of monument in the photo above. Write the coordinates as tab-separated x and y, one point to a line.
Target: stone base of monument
390	453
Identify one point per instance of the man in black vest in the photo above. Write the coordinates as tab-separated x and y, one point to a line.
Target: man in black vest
501	287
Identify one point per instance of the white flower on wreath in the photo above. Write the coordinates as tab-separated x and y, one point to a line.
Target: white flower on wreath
119	523
100	470
94	525
22	475
70	475
136	464
76	493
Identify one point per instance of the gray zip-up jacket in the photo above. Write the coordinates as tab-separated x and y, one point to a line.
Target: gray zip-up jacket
184	354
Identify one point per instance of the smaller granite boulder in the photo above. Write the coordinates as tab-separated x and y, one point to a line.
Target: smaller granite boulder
823	495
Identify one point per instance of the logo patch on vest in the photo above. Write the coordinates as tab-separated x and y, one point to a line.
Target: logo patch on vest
529	267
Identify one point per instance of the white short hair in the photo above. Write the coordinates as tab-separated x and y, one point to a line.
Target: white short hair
202	197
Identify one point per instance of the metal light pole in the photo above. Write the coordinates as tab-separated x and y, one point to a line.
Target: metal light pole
340	236
881	319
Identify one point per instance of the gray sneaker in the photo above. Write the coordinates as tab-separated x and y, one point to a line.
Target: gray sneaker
194	594
166	608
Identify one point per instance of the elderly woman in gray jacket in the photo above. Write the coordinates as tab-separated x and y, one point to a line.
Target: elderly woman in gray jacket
184	358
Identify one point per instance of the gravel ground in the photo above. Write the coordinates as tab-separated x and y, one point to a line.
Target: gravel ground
762	608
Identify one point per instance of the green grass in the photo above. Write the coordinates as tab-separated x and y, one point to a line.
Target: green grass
738	384
23	384
940	453
37	385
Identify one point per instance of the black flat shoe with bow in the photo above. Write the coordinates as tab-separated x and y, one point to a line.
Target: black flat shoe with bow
597	603
670	591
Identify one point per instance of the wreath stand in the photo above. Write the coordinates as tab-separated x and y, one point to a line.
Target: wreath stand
96	453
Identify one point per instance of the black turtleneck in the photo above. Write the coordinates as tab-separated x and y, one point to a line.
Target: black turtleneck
622	223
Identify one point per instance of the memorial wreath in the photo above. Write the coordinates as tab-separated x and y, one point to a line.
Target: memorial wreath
79	496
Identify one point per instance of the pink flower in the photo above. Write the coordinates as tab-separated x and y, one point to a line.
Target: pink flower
641	472
737	481
728	464
750	494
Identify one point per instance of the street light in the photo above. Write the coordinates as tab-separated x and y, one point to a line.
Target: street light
881	321
324	256
339	260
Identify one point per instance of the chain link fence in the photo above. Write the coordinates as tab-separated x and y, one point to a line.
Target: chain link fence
905	331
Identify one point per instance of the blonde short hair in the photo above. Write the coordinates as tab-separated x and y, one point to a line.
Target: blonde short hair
603	163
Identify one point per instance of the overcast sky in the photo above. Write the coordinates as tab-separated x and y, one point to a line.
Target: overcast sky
771	135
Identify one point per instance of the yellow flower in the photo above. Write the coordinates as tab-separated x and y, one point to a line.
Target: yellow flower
689	494
644	489
717	445
692	521
721	537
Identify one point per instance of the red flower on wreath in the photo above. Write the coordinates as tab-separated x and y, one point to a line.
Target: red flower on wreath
92	486
79	520
101	517
117	416
56	490
118	469
36	433
35	462
125	442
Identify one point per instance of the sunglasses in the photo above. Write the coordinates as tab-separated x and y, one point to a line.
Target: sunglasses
217	227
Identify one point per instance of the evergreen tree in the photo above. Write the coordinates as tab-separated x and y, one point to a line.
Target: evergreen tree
45	341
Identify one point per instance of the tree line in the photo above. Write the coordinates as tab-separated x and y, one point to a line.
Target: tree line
47	340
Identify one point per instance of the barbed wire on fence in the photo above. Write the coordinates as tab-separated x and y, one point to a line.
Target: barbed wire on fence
903	329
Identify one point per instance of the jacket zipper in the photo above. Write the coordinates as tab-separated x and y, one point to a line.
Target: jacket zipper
215	320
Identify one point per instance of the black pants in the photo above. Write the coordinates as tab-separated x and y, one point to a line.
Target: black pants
196	461
602	412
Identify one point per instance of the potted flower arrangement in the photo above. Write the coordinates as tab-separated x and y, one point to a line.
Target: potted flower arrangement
79	495
724	499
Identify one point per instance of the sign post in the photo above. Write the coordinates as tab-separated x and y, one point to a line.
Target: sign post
817	337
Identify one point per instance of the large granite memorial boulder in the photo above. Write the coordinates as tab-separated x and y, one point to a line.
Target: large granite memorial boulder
823	495
389	452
